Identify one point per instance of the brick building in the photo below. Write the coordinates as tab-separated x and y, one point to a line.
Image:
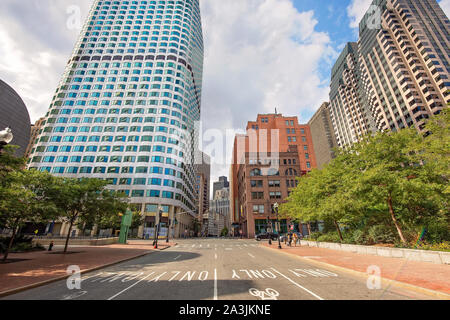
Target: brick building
265	164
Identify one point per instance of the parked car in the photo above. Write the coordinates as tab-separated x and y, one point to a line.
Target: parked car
267	235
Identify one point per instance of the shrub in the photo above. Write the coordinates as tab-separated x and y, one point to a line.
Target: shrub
314	236
359	237
381	234
329	237
437	233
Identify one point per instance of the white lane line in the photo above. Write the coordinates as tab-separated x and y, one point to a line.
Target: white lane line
215	256
95	275
251	255
215	284
177	257
208	245
116	295
301	287
228	249
193	245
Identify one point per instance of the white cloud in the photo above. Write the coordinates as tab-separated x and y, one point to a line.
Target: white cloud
260	54
445	5
356	11
36	45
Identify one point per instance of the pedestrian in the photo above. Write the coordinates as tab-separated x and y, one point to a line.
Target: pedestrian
50	247
295	236
290	239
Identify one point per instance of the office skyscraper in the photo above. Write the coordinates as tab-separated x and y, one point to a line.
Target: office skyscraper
404	62
350	118
127	103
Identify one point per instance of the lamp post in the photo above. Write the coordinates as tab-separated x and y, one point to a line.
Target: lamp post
269	223
168	227
275	206
6	137
160	211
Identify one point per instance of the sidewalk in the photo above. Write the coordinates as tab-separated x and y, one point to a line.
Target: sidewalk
426	275
32	268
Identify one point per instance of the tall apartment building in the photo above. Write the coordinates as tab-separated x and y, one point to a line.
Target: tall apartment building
126	105
219	212
405	62
35	131
323	136
202	186
219	185
265	164
350	118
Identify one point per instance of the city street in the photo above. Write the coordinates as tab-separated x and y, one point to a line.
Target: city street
217	269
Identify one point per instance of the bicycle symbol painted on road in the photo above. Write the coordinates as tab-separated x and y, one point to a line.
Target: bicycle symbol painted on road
269	294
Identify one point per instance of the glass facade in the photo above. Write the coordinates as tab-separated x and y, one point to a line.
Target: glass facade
126	107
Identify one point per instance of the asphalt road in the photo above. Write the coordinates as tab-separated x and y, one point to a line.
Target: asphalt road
217	269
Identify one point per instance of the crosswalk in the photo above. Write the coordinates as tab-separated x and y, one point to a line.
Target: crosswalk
208	246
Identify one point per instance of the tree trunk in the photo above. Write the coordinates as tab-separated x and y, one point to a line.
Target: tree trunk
68	235
338	230
309	228
394	219
10	243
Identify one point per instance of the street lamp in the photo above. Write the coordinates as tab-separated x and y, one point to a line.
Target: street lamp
160	211
168	228
275	206
6	137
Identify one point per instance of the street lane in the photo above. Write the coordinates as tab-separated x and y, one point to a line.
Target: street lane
222	269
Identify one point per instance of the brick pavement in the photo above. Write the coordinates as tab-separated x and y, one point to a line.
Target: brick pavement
422	274
39	266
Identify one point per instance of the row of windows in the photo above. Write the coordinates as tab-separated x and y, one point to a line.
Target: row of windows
116	159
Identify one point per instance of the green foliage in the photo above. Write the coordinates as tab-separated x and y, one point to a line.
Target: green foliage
224	232
384	188
381	234
329	237
359	237
38	197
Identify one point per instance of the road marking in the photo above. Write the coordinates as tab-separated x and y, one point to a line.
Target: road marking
193	245
200	246
228	249
93	276
116	295
269	294
208	245
177	257
301	287
215	256
251	255
215	284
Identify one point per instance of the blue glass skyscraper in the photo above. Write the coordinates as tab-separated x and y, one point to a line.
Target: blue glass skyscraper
127	104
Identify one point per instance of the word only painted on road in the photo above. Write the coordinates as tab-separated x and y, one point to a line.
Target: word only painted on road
267	274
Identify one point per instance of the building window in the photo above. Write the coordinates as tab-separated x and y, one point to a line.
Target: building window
257	195
256	183
274	183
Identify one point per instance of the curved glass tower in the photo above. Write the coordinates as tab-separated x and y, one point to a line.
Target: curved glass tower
127	104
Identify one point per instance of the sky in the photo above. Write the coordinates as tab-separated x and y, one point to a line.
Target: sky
259	55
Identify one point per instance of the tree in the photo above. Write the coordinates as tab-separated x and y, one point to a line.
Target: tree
81	199
27	198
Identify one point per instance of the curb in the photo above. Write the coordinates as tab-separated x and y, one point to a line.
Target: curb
386	281
42	283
